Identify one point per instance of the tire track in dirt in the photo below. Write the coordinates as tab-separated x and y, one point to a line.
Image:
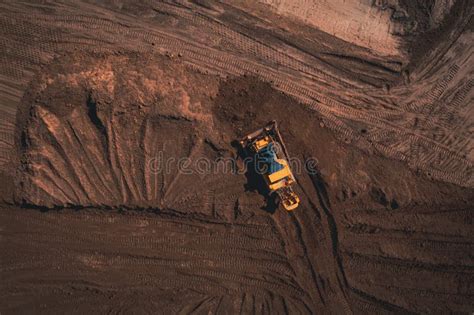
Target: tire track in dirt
177	263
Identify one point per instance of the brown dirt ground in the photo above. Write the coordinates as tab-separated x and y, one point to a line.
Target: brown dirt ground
102	233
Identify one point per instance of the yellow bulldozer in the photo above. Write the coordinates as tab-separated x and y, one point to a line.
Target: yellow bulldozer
272	162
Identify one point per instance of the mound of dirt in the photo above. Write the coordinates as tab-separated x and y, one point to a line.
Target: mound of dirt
97	126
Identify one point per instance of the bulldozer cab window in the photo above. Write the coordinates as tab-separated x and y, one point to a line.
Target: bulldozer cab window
267	160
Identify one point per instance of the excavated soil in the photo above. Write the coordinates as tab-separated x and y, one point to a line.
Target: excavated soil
369	235
123	190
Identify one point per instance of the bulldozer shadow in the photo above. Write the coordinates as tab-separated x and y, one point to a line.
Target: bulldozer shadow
255	181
